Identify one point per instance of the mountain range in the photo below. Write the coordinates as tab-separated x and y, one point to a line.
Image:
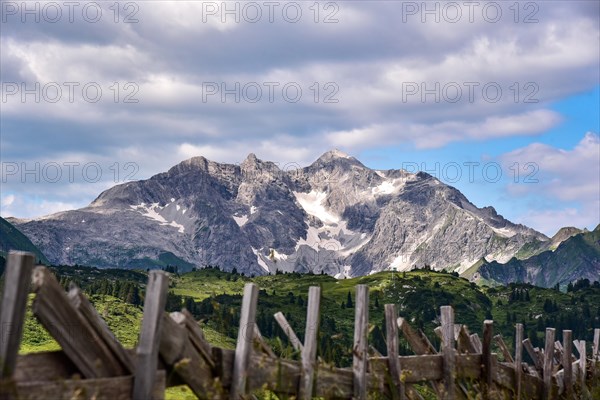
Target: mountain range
335	216
576	257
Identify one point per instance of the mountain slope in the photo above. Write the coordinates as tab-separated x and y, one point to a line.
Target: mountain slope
12	239
335	216
578	257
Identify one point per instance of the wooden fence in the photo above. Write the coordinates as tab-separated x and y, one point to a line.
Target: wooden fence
172	351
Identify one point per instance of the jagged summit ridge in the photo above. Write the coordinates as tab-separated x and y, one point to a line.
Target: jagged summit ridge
335	215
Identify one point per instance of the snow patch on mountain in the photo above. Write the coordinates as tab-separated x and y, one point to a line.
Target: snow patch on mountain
504	232
260	260
152	212
388	186
312	203
240	220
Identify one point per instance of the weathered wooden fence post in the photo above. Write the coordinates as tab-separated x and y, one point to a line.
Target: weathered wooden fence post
148	346
14	300
243	349
518	359
448	353
392	351
361	330
486	357
567	363
580	344
548	362
309	352
596	354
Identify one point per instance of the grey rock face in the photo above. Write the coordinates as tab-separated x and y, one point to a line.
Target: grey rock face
335	215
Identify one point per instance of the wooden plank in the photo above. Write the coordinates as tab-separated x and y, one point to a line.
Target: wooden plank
115	388
373	352
448	352
518	360
582	361
78	339
197	337
432	350
596	345
87	310
548	362
486	358
14	301
282	376
476	342
430	367
464	341
532	353
567	363
504	348
359	350
182	357
439	333
416	341
309	352
148	344
262	344
416	369
532	386
44	366
243	349
55	365
287	329
398	390
596	354
558	352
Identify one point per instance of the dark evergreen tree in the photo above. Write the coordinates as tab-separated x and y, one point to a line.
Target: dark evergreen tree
349	301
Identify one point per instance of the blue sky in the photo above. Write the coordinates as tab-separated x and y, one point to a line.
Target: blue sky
391	83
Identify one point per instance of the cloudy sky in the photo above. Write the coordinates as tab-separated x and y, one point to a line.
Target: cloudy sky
499	99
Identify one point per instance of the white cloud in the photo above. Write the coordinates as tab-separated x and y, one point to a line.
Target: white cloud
568	175
550	221
369	54
564	184
425	136
25	207
8	200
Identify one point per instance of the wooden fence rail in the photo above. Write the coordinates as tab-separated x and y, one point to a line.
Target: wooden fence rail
172	350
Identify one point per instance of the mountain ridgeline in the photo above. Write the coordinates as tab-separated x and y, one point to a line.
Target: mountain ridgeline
335	216
576	258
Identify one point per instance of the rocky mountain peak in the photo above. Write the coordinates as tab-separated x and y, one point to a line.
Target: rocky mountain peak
336	216
251	159
333	154
564	234
338	160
